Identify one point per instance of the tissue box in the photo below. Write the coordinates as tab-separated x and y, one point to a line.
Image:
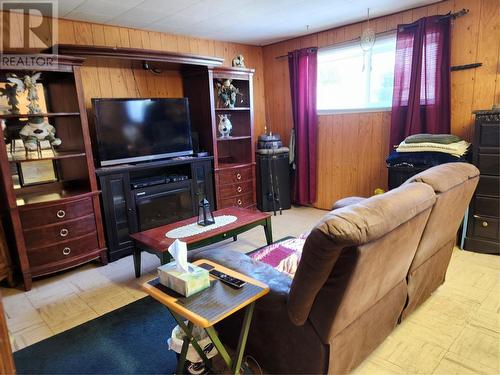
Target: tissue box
185	283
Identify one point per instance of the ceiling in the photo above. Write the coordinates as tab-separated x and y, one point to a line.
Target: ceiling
257	22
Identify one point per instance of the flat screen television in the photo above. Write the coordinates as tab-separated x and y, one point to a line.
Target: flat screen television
135	130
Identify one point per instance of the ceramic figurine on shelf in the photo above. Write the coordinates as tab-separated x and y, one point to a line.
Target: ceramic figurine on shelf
28	83
239	61
36	131
225	126
10	92
227	92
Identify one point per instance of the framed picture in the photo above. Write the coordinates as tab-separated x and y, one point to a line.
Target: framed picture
37	172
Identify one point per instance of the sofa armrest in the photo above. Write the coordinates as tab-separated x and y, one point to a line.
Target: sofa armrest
279	283
344	202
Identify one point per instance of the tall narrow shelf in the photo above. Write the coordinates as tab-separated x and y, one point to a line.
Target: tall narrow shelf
52	225
234	156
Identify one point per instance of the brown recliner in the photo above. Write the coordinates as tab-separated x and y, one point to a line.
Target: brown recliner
348	292
454	184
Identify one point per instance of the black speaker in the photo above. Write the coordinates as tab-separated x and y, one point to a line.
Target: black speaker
273	182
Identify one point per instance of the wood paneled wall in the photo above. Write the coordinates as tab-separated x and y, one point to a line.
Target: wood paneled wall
352	147
117	80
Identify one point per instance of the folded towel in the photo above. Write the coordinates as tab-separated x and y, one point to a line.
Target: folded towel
445	139
456	149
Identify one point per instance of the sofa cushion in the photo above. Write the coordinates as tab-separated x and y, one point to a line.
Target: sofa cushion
454	184
445	176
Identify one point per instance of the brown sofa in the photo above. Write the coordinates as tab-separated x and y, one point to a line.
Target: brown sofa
348	292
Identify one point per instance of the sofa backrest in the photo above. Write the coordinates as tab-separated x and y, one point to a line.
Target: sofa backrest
454	184
356	255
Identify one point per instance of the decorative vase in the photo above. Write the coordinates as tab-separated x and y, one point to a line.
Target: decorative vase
225	125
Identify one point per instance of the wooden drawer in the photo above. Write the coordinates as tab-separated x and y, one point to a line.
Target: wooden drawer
31	218
230	190
486	206
237	201
488	185
489	135
489	164
235	175
62	251
54	233
486	227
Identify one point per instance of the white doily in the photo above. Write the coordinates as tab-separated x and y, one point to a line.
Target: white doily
193	229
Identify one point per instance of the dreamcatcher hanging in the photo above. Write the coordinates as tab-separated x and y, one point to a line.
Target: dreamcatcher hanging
367	39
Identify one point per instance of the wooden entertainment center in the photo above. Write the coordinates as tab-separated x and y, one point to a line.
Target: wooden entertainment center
234	156
58	224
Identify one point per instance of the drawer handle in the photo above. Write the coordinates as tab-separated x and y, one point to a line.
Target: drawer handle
484	223
66	251
64	232
239	202
238	176
60	214
239	189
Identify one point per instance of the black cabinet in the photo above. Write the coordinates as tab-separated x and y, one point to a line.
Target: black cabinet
273	182
147	195
118	222
483	224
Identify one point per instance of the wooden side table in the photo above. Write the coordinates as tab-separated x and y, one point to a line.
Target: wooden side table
200	310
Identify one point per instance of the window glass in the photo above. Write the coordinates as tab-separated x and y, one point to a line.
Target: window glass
349	78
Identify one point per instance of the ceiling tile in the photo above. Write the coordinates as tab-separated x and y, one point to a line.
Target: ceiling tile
256	22
66	6
166	7
87	17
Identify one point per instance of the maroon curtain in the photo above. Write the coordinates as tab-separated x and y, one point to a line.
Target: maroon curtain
303	66
421	96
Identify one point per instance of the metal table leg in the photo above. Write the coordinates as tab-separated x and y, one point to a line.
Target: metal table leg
235	365
268	230
189	336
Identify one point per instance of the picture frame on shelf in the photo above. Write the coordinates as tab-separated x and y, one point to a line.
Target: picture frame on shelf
37	172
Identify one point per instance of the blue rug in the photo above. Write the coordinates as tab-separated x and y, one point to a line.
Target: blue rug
132	339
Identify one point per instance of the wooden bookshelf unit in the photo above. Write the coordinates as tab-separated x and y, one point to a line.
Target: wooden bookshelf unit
235	155
52	225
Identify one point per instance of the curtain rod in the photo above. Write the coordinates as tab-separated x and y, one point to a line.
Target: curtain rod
453	16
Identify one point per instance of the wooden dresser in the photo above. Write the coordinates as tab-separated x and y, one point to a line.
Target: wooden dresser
483	223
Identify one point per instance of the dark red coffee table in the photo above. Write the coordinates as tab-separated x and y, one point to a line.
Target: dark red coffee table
154	240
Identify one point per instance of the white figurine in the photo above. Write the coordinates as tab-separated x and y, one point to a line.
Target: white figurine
225	125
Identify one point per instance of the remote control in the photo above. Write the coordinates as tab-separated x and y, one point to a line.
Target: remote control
226	279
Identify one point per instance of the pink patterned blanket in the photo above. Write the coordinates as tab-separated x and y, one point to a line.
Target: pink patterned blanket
283	255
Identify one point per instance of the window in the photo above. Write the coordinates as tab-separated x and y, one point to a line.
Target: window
350	79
